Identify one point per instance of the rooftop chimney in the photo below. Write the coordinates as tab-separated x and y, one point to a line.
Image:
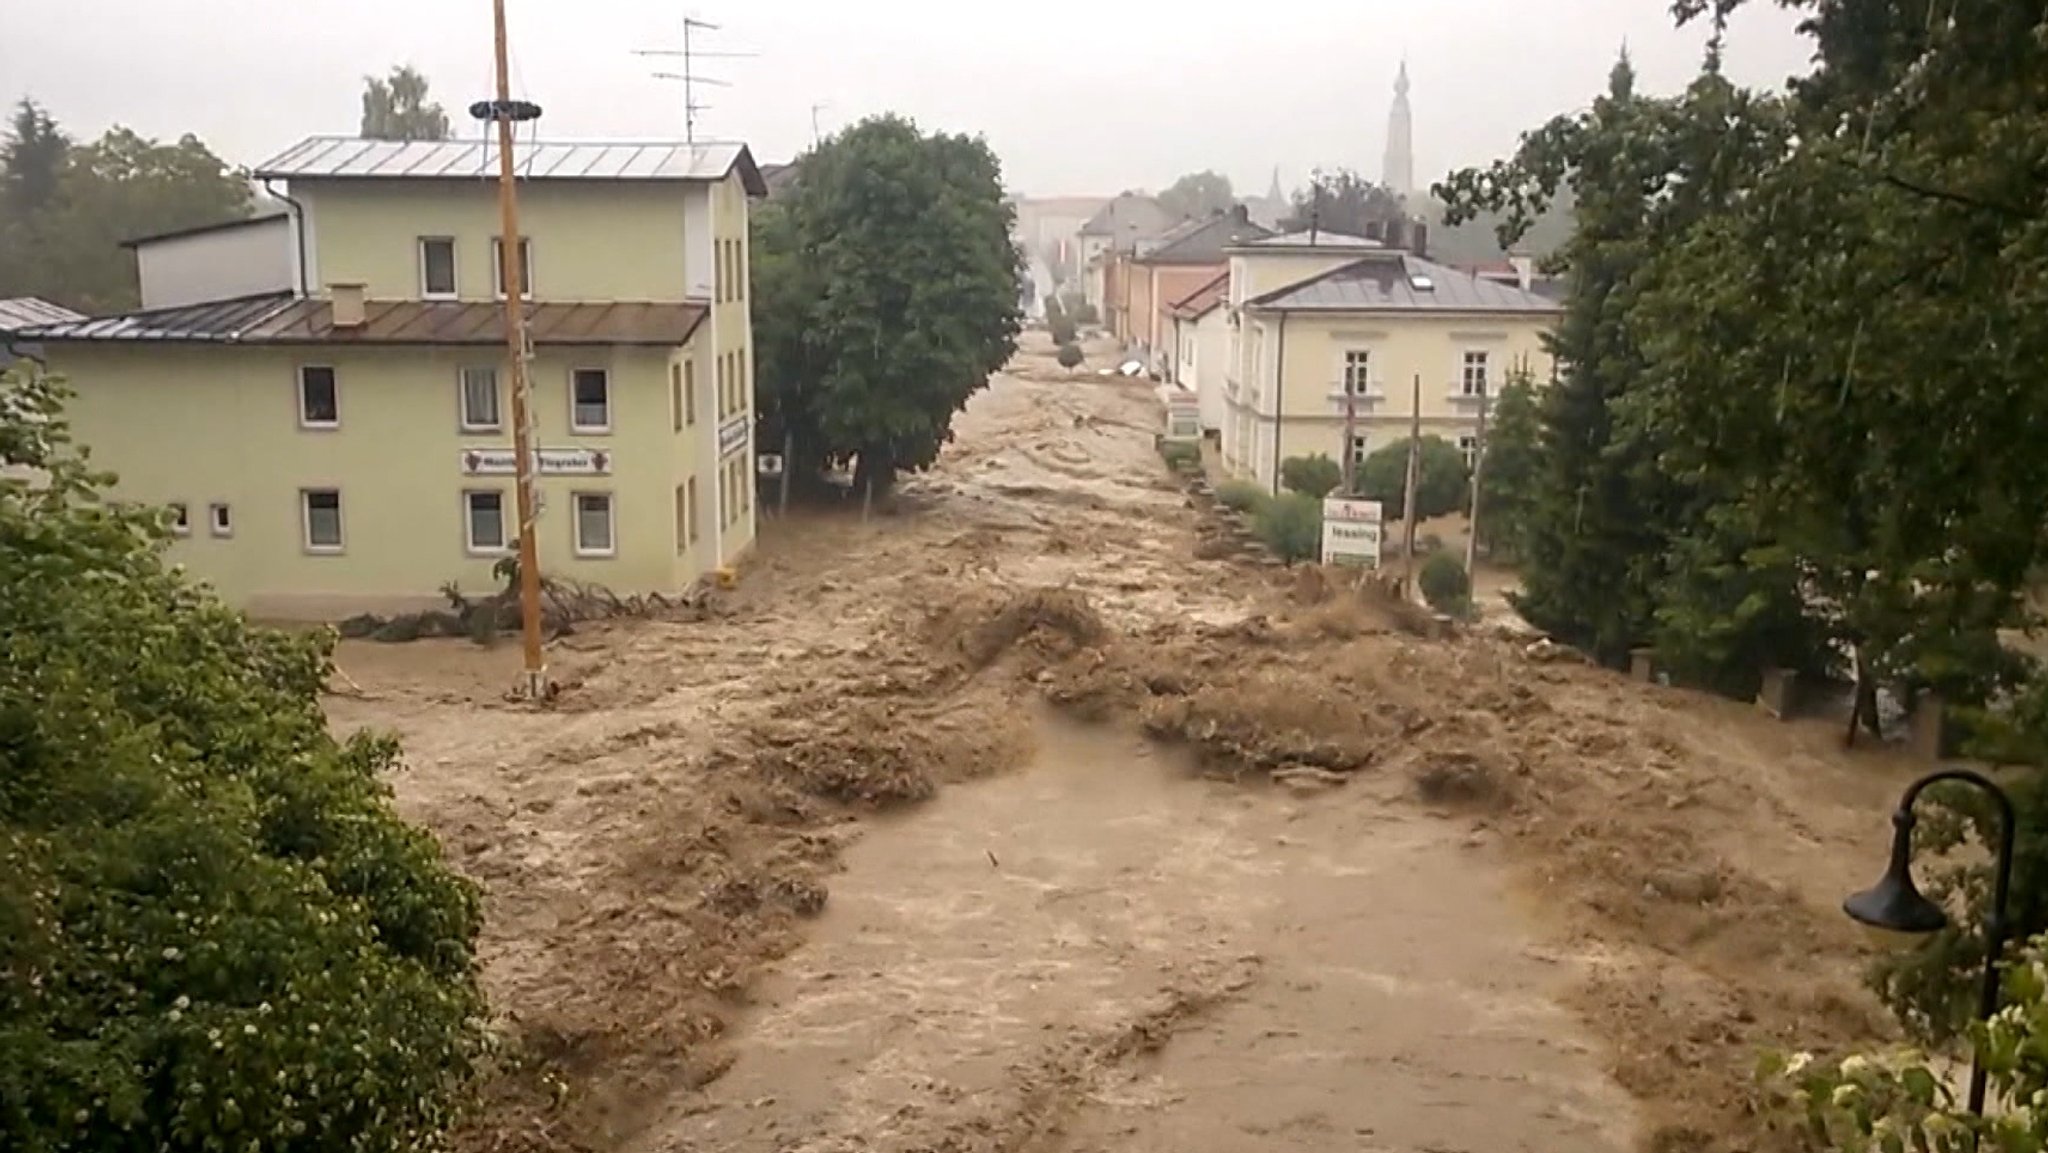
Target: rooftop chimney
348	305
1525	271
1418	238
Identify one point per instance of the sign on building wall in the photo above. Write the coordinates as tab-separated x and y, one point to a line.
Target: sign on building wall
546	462
732	436
1351	532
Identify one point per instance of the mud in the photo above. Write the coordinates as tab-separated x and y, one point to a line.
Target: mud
817	873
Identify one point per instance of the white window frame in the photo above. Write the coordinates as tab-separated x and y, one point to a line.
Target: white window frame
498	267
299	387
507	513
1472	358
454	290
1468	445
1356	372
611	517
220	519
181	518
576	425
463	415
340	544
1360	448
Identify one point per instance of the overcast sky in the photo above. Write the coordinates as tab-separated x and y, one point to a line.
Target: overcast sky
1076	96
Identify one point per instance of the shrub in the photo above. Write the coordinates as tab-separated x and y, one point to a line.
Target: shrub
1180	455
1291	524
1384	478
1445	584
1054	314
1071	356
1063	331
215	933
1317	476
1241	495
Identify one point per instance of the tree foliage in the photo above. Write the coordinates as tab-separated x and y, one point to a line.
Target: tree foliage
1314	475
214	932
886	292
1342	201
1508	482
66	207
1198	195
396	107
1441	485
1445	584
1291	525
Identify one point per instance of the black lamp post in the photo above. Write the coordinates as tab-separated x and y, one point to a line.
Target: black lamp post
1896	903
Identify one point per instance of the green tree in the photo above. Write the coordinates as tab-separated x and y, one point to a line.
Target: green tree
396	108
1440	489
1198	195
1514	461
1445	585
890	294
1291	525
214	931
1342	201
1314	475
32	161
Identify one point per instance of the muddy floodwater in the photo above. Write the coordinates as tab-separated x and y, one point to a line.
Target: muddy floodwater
1012	958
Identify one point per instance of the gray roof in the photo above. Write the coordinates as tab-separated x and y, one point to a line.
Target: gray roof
1204	241
1320	238
349	157
1395	282
27	311
263	215
1130	218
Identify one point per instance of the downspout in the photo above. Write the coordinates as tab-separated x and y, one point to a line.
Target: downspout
1279	398
298	212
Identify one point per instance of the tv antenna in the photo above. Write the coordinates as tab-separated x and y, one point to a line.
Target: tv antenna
690	54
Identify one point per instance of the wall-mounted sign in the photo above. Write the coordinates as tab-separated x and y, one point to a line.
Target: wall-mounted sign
546	462
732	436
1351	532
769	464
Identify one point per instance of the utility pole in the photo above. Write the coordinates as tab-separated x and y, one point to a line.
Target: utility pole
1414	474
690	54
505	111
817	136
1478	467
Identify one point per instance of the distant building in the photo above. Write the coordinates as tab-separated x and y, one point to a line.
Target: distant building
1272	209
1168	268
1397	171
1120	226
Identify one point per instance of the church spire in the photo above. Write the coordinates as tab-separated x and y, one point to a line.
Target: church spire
1397	171
1273	193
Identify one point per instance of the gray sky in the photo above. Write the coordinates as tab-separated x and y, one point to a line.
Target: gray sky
1076	96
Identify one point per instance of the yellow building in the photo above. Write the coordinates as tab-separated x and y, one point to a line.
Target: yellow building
1329	322
346	446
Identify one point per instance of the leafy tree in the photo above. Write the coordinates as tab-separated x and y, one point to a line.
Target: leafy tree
1507	484
1445	584
1342	201
1440	489
65	245
1290	524
1071	356
1198	195
889	292
217	934
1315	475
396	108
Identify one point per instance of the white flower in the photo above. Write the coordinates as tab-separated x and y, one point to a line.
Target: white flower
183	1002
1855	1065
1797	1064
1845	1095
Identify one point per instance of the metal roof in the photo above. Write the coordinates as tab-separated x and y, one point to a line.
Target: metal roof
1199	303
265	216
282	318
1129	218
352	158
1320	238
26	311
1400	282
1203	241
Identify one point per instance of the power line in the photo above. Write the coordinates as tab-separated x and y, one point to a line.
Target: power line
690	54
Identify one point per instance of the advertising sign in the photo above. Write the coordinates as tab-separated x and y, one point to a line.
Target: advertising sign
1351	532
546	462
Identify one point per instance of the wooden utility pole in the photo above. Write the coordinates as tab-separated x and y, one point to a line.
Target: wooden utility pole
1414	474
1478	468
1350	434
511	255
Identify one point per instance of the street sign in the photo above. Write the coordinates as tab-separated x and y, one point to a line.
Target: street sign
1351	532
546	462
732	435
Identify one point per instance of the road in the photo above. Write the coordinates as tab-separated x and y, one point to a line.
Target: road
983	825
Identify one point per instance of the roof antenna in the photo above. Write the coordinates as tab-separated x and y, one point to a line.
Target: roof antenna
690	54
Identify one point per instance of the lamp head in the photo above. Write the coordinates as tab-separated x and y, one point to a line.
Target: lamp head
1895	904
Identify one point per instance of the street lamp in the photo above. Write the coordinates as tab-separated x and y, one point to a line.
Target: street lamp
1895	903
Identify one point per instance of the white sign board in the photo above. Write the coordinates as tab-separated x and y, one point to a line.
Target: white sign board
732	436
1351	532
546	462
1183	413
769	464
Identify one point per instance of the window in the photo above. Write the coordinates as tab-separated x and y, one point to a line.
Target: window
322	507
722	388
319	400
675	396
220	520
739	268
682	523
690	392
725	495
480	399
1472	382
181	519
594	524
525	267
483	522
1358	372
690	506
437	267
590	400
740	391
1469	446
1361	447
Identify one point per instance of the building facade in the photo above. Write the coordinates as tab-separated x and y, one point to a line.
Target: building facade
1327	326
346	445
